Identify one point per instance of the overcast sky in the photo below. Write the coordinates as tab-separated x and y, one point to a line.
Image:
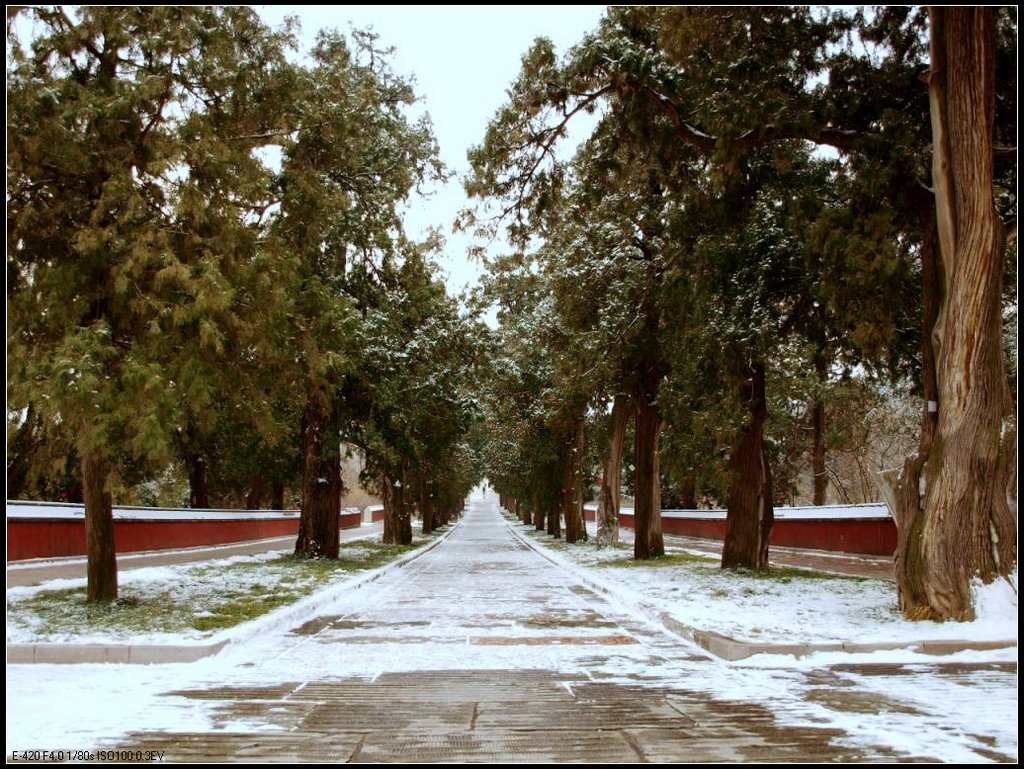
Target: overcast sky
462	59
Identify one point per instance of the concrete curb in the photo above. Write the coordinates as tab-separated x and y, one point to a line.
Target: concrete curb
148	654
142	654
731	649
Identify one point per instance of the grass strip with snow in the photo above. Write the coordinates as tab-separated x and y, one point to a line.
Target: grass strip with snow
782	605
187	602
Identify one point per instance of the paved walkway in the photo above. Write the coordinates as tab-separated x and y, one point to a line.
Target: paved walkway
36	571
482	650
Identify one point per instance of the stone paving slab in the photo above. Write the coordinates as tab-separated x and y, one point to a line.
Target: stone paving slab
459	716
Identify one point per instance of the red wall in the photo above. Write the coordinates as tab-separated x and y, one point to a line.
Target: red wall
377	515
350	520
870	536
53	537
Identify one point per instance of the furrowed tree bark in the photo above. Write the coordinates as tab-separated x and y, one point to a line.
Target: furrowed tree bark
968	531
611	486
750	514
321	482
101	568
901	489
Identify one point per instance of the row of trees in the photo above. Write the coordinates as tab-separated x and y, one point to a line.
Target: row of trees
772	209
206	268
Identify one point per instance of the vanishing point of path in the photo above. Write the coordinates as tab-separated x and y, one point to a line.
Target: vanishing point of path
482	650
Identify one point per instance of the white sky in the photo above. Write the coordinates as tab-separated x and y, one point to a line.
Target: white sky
463	58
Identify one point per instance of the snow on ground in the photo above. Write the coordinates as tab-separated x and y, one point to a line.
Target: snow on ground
474	602
63	707
921	709
785	609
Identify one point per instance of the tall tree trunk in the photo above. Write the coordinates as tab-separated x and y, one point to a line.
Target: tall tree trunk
404	496
388	499
523	513
538	508
254	499
277	496
101	568
554	504
611	486
198	493
818	419
426	503
648	541
902	492
750	514
321	482
572	499
968	530
654	530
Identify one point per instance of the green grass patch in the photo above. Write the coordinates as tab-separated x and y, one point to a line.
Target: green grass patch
672	559
201	598
786	574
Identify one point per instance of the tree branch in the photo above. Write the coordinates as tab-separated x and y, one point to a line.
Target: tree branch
840	139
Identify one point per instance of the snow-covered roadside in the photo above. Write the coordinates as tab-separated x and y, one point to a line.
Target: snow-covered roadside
190	597
957	707
788	609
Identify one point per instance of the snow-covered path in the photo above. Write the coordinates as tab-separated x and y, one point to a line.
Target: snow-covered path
481	649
